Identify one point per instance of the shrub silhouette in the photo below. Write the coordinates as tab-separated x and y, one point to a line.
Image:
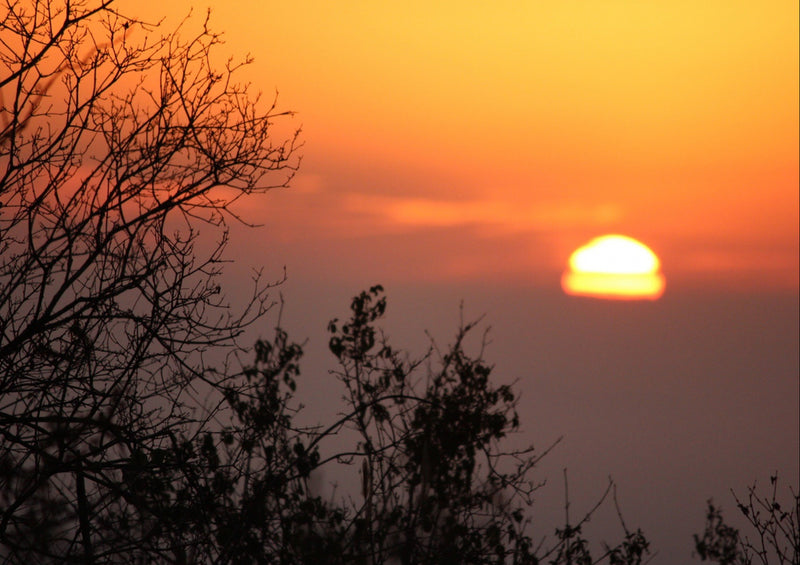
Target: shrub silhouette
775	530
436	485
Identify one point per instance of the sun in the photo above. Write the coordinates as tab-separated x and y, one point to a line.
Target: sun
614	267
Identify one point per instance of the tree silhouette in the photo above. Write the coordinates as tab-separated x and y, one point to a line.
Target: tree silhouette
122	150
117	143
435	485
425	437
774	530
438	485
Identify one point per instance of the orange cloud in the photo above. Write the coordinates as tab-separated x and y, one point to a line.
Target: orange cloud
495	213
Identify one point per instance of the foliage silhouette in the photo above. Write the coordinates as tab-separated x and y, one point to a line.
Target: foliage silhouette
436	487
775	531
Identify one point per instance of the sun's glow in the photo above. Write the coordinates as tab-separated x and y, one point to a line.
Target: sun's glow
616	267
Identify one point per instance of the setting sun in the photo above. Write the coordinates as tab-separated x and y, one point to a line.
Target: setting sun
615	267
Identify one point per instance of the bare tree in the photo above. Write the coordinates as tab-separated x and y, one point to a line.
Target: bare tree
118	142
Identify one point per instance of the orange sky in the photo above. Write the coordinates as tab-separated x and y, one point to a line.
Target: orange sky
452	139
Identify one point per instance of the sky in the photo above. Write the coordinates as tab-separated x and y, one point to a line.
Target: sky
530	126
462	151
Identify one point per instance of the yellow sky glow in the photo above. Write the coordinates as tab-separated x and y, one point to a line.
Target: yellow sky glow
614	287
